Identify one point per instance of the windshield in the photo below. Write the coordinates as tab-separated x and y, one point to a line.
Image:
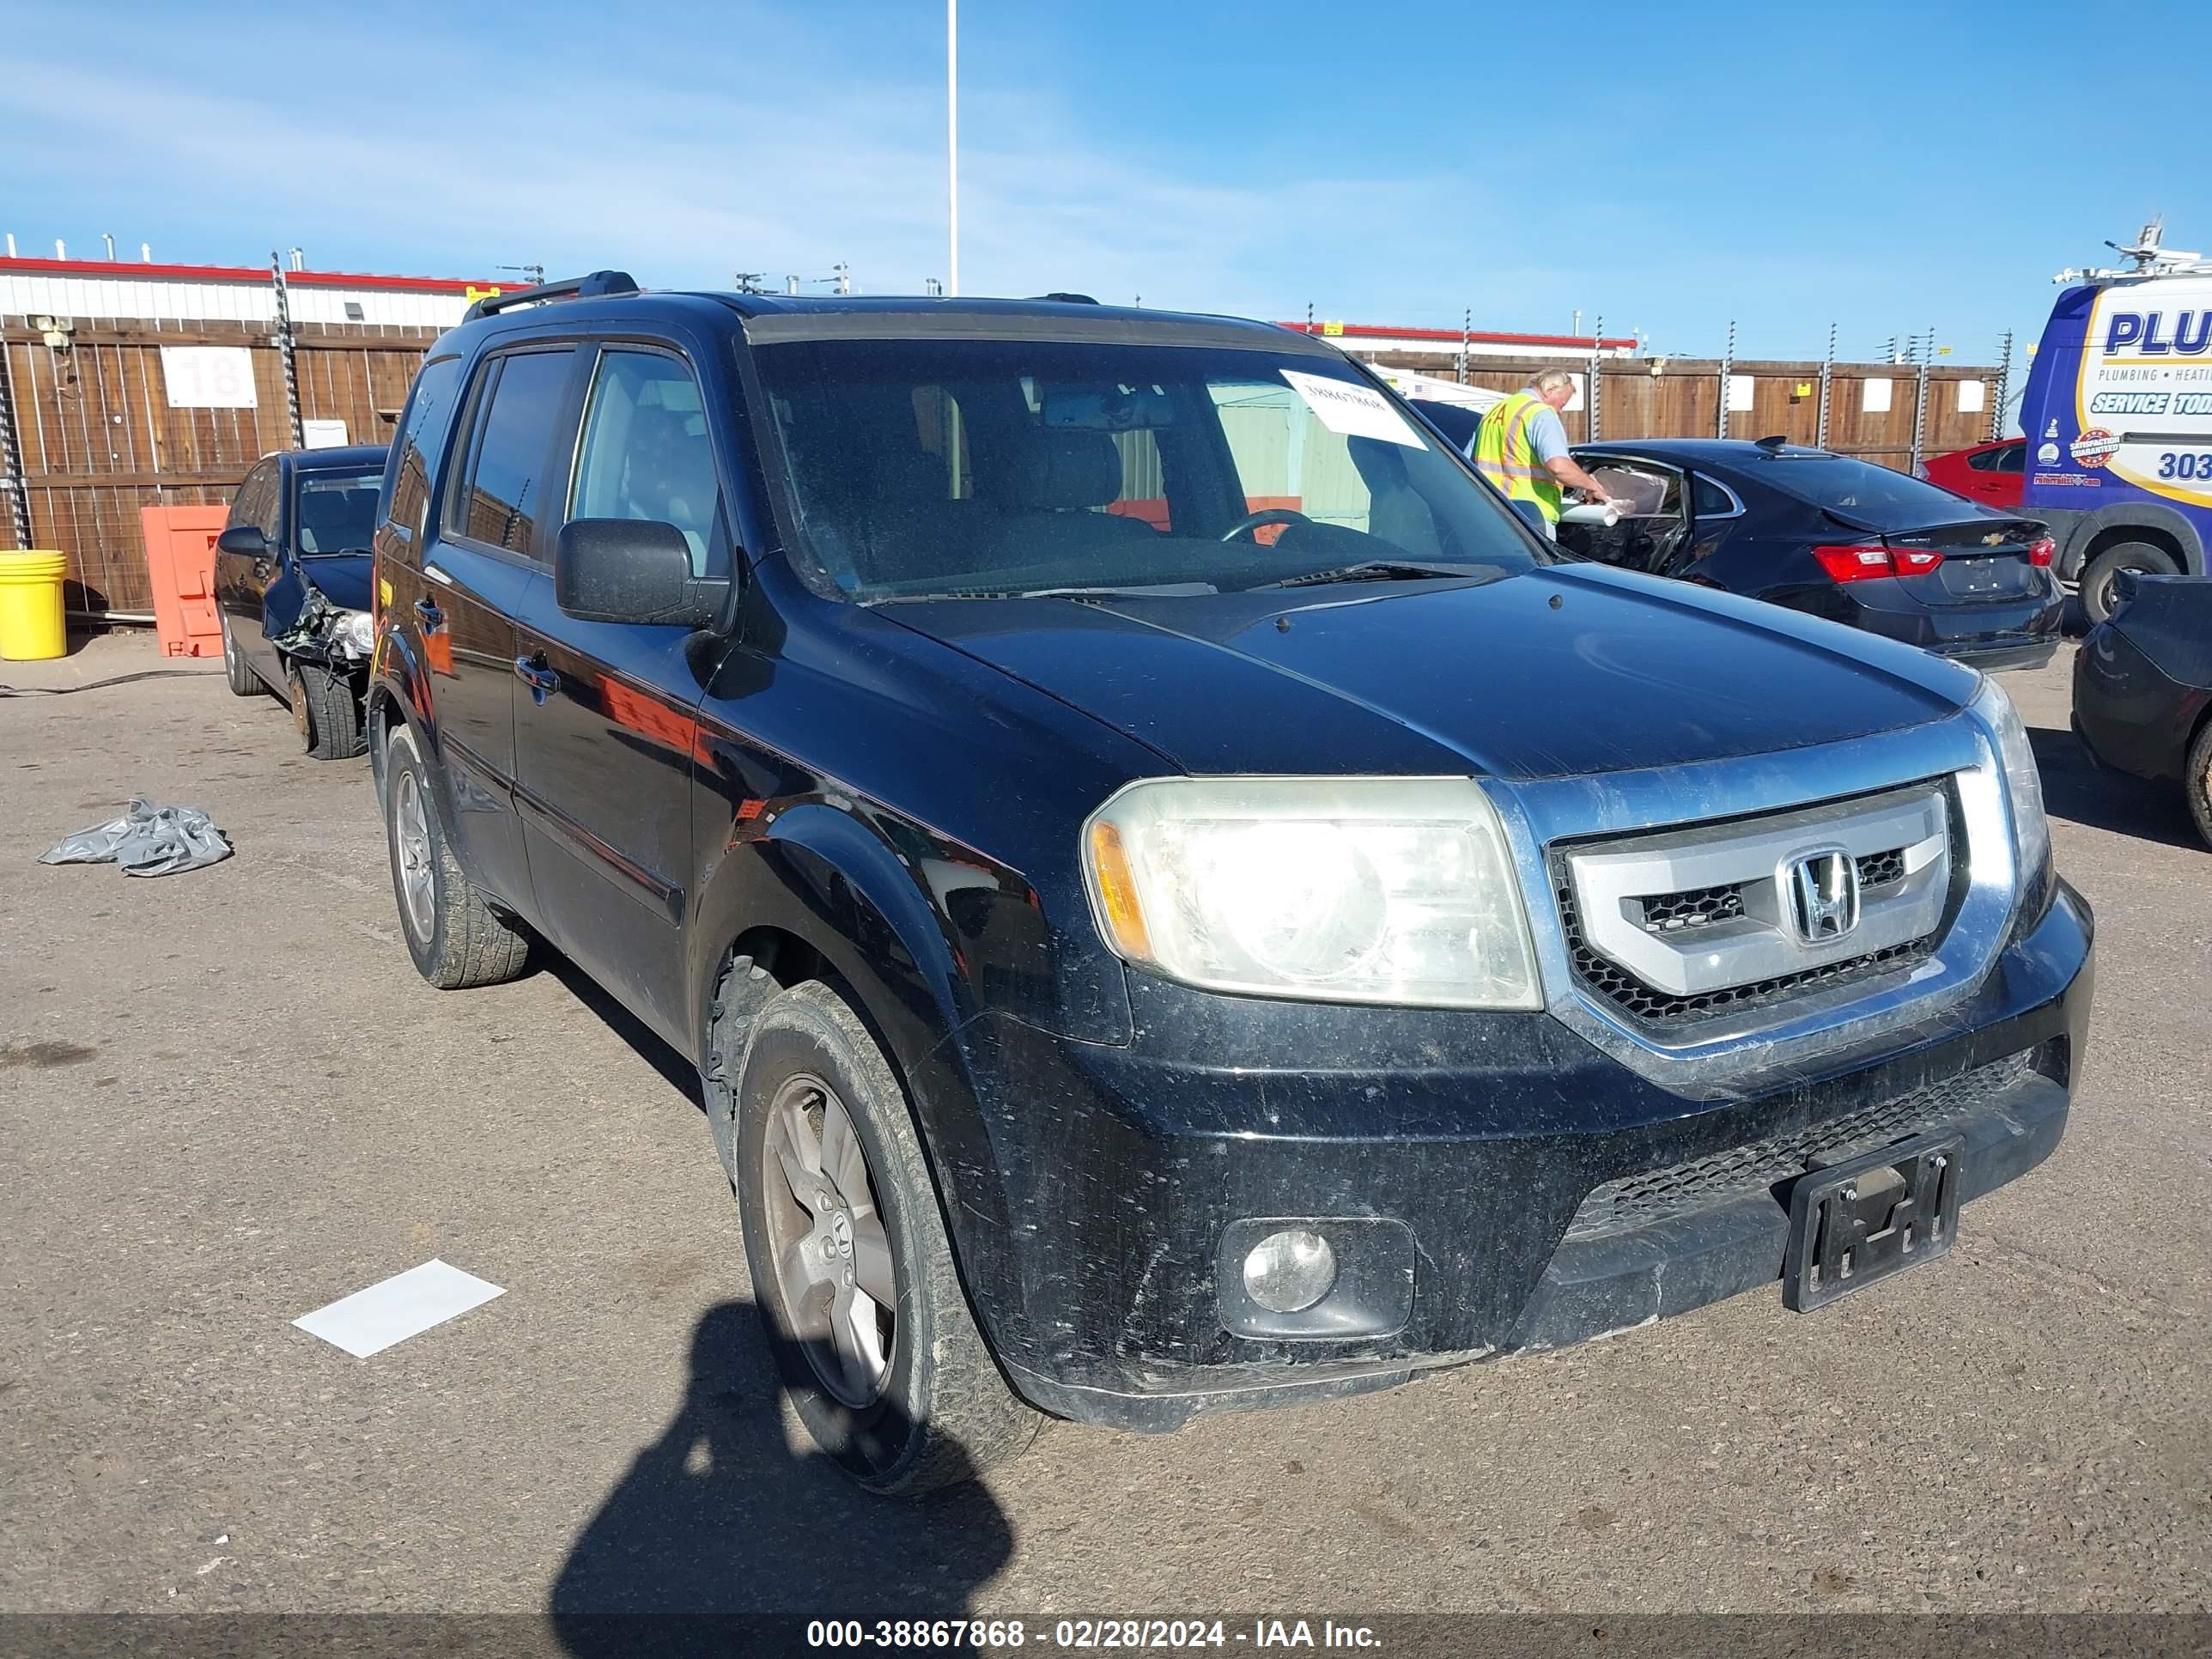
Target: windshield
929	467
1885	499
336	513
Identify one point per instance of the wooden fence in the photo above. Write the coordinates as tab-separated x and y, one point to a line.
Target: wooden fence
99	439
1680	397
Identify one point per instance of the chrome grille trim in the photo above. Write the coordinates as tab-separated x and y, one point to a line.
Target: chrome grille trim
1735	1051
1615	883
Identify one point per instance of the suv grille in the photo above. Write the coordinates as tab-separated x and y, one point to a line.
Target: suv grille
1669	912
1639	1200
1631	995
1670	924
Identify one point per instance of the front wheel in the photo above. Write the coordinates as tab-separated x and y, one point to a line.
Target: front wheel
2196	779
852	1270
2097	596
326	710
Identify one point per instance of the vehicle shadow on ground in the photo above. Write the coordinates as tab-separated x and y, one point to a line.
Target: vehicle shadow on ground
719	1521
679	1071
2077	789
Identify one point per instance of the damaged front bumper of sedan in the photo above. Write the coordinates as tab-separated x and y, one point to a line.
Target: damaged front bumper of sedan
322	632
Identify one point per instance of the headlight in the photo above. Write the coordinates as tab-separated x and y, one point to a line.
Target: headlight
357	630
1333	890
2031	830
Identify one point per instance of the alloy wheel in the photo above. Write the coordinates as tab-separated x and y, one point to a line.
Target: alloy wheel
831	1256
413	825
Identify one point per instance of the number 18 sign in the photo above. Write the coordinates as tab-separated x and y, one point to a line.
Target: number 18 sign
209	377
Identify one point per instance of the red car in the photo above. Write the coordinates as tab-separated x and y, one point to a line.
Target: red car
1991	472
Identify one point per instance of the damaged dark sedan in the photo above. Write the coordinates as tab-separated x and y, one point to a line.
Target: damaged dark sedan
291	588
1178	899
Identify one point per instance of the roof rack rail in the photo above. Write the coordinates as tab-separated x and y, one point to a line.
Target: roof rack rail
1070	299
568	287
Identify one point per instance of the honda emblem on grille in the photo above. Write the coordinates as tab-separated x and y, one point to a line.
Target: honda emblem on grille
1824	896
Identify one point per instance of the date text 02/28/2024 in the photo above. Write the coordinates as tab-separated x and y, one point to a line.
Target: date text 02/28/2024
1084	1634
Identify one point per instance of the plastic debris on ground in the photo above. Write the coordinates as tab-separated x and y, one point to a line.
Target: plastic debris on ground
146	840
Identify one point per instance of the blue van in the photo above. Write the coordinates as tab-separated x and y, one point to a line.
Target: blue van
2118	416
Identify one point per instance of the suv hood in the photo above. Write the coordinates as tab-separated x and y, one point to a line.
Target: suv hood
1569	670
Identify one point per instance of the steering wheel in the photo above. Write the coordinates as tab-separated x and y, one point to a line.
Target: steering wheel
1266	515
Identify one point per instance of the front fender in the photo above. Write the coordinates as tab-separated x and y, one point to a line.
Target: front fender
863	894
399	685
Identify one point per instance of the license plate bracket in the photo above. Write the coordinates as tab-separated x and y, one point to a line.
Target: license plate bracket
1855	1223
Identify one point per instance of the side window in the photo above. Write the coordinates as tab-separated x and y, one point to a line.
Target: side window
415	452
268	505
500	501
1709	499
1984	460
646	453
2013	458
247	506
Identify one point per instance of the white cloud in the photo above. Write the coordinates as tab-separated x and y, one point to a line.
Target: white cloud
581	166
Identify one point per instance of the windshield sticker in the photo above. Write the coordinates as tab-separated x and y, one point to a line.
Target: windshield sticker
1354	411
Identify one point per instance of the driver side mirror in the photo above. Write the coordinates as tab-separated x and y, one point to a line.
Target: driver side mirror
632	570
245	540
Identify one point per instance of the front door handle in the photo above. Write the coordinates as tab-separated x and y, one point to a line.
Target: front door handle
535	673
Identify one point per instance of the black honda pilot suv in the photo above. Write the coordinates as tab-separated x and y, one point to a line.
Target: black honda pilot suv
1177	898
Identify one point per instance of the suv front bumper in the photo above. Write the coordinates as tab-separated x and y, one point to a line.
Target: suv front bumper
1495	1183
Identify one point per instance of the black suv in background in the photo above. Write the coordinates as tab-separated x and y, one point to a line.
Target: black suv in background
1177	899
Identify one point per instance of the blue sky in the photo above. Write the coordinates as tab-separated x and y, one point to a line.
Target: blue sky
1888	167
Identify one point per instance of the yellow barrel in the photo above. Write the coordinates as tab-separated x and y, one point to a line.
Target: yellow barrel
31	626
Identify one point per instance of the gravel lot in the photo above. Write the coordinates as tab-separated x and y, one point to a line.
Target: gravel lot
226	1099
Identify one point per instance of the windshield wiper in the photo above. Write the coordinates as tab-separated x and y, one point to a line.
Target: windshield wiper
1157	590
1378	570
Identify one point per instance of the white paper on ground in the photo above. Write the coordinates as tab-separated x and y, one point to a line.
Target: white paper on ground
1355	411
404	1305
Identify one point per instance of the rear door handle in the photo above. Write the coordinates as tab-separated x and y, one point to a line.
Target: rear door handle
535	673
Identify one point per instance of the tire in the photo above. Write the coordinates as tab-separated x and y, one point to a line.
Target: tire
2097	575
938	1412
326	710
455	938
241	679
2196	781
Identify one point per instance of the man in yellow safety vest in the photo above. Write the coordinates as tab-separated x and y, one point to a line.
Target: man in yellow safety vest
1522	447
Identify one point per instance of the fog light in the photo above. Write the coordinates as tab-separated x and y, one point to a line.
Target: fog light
1288	1272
